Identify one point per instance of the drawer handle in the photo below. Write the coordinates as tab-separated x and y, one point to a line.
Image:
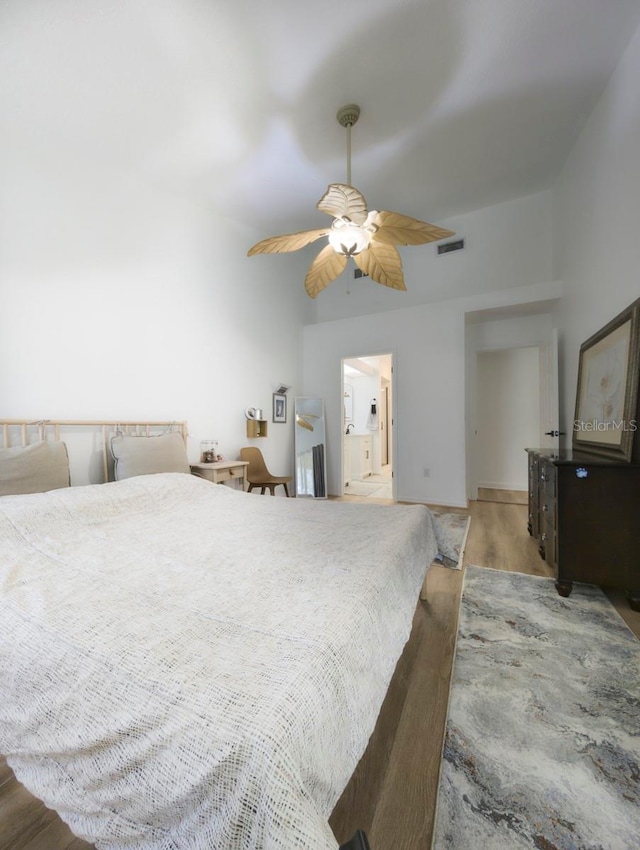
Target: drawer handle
542	477
544	535
545	507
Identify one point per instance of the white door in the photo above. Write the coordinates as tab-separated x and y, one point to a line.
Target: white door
549	398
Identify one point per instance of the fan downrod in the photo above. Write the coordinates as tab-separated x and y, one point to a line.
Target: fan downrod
348	115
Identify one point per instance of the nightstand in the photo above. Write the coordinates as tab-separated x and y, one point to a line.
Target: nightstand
222	471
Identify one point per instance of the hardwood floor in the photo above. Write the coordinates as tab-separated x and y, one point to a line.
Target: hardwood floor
517	497
26	824
392	794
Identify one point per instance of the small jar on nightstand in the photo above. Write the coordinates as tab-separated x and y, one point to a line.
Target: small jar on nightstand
208	451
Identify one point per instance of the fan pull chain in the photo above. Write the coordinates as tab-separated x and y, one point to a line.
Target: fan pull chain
349	154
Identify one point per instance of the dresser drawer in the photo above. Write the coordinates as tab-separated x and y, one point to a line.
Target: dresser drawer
533	524
587	518
548	540
222	471
547	503
547	474
547	488
223	475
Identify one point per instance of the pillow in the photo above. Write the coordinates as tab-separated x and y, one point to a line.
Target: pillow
34	469
147	455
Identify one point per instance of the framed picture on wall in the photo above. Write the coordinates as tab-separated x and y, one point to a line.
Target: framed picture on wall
607	395
279	407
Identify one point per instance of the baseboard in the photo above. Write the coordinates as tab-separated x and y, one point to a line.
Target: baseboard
435	503
495	485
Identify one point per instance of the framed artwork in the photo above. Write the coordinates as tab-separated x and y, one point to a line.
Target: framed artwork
279	407
607	395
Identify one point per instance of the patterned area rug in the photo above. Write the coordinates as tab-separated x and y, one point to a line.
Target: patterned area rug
451	534
542	748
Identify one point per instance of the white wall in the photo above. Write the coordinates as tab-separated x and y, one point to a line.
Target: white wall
595	215
484	333
424	396
121	301
124	293
429	358
507	245
596	220
508	411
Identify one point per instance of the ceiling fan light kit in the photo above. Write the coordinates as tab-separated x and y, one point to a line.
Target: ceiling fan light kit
369	236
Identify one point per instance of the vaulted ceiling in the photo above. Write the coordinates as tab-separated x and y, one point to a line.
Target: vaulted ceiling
464	103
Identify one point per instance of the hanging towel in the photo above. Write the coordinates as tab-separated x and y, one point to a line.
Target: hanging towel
372	419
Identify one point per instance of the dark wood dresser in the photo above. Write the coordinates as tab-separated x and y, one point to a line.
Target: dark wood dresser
585	512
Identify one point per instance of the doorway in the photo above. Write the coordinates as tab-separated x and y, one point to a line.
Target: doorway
507	417
367	450
516	408
509	330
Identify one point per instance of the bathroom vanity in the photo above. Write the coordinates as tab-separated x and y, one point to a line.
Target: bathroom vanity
358	456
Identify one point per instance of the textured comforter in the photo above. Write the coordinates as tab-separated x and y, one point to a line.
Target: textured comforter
186	666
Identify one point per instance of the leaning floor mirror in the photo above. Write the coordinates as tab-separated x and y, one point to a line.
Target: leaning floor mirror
311	461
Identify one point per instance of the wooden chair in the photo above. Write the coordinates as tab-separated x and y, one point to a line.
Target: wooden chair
258	475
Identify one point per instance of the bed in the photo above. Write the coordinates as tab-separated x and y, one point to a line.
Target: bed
184	665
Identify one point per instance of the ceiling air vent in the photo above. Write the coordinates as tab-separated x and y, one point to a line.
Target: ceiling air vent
449	247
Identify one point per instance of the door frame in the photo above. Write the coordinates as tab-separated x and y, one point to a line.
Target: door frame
385	419
391	427
549	394
548	361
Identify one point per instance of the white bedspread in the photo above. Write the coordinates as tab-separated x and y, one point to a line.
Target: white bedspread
187	666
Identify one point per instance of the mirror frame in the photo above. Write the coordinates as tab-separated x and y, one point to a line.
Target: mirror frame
310	439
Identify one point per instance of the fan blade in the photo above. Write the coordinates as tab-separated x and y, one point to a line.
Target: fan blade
303	423
344	201
382	263
325	268
303	420
398	229
288	242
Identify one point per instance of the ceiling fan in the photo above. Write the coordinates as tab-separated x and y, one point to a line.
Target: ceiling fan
369	236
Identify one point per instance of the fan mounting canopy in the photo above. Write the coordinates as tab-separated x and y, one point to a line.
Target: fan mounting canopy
348	115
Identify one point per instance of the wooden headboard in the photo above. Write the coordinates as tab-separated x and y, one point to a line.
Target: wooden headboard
23	432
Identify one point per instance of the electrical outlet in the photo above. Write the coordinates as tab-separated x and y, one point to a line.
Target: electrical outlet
426	472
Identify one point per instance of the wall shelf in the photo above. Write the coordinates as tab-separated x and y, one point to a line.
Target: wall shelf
256	428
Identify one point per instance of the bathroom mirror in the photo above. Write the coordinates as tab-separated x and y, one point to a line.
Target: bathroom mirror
310	451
